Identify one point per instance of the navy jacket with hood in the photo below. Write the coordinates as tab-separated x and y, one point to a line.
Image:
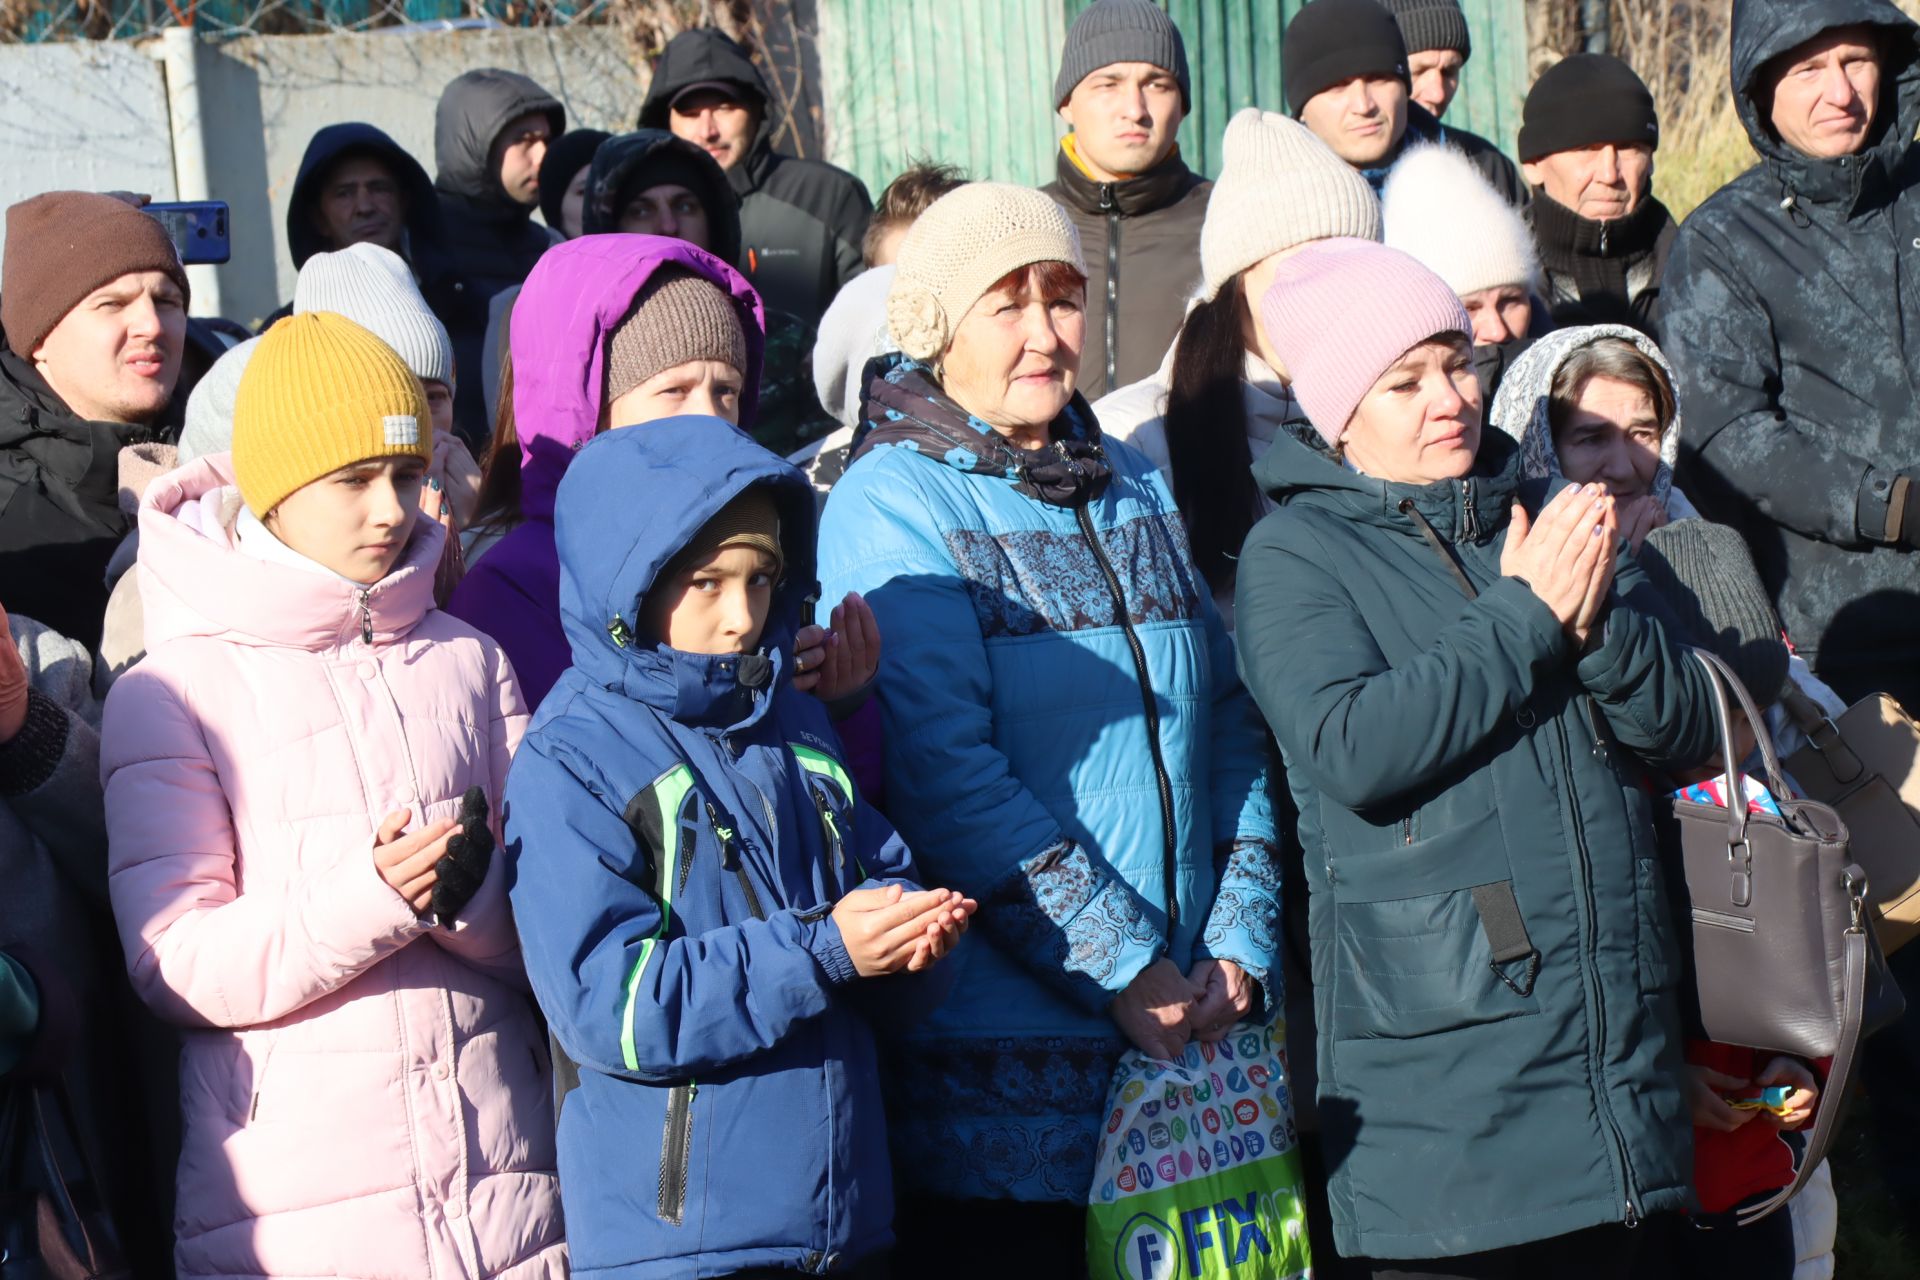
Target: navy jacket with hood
490	239
1791	313
679	829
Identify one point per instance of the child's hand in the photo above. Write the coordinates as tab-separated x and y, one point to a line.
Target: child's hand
882	928
943	932
406	862
1223	994
1706	1097
1806	1091
836	663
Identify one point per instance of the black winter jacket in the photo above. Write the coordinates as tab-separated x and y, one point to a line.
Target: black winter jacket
1455	762
1792	316
1424	127
1141	238
801	221
489	239
1604	272
60	516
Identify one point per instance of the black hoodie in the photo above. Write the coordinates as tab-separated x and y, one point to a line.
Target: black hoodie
1792	315
489	238
619	166
801	221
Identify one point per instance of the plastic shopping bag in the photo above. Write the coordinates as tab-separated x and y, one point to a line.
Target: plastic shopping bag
1197	1176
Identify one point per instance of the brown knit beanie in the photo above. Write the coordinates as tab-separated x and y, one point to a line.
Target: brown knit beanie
678	317
751	519
63	245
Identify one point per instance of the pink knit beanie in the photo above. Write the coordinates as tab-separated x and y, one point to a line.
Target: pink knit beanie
1340	312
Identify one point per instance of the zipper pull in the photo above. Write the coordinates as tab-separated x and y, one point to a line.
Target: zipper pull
366	615
1632	1220
1107	204
723	833
1603	253
833	829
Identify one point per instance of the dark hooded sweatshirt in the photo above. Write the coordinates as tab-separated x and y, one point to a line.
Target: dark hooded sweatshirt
1792	301
1141	238
801	221
337	142
60	516
489	238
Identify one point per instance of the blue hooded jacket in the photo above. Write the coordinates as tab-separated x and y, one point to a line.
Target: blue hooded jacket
679	828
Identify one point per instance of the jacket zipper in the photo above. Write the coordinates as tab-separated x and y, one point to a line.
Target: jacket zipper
366	615
837	865
1111	208
1588	941
1170	866
1406	829
729	845
676	1152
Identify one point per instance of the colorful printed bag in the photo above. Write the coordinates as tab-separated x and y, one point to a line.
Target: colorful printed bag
1197	1176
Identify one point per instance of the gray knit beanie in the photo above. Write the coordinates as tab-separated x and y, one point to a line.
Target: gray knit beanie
678	317
209	420
374	288
1706	576
1432	24
1111	31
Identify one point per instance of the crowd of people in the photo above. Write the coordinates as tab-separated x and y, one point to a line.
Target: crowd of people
501	767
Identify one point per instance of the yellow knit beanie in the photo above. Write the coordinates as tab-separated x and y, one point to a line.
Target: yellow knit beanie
319	394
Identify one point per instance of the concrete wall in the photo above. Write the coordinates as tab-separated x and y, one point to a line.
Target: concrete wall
107	116
263	97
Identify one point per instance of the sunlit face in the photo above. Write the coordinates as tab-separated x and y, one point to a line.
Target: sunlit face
354	521
1015	355
1362	119
1420	422
116	356
710	387
1124	117
1828	93
717	606
1436	77
1499	314
668	210
717	122
517	154
1600	183
439	405
360	201
1612	438
573	205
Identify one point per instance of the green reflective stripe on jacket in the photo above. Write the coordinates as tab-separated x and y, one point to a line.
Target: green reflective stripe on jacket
654	816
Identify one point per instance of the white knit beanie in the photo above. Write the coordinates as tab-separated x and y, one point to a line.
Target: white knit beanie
960	248
1441	211
1279	187
374	288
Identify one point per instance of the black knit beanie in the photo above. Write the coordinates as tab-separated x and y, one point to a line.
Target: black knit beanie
567	155
1705	574
1334	40
1585	101
1432	24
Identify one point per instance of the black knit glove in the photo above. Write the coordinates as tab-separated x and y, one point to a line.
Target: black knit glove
463	866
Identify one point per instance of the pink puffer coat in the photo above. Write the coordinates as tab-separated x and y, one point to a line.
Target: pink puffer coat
364	1094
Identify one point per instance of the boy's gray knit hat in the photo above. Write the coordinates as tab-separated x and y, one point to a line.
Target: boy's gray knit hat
1111	31
1432	24
1706	576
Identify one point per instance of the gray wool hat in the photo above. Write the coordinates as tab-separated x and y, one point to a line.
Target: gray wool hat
209	421
1432	24
1705	574
374	287
1111	31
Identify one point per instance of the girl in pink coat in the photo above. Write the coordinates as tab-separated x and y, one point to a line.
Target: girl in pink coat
365	1088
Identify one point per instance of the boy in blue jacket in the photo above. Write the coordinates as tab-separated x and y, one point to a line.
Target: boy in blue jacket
709	915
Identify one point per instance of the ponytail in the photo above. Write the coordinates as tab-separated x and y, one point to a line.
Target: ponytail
1206	425
499	503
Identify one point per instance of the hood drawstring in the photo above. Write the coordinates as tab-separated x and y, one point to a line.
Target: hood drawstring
1790	204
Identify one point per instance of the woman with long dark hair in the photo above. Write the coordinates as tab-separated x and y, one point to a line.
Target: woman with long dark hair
1220	397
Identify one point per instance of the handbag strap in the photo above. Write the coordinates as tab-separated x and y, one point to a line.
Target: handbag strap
1824	734
1721	679
1833	1101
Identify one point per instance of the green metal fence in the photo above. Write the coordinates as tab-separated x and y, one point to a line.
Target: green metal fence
968	82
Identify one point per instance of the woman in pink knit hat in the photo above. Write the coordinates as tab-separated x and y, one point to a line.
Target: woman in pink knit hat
1468	703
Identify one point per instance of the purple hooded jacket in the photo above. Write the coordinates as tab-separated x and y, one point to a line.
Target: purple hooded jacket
575	297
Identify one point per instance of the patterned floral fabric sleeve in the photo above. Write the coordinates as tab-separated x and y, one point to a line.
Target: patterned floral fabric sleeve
1244	925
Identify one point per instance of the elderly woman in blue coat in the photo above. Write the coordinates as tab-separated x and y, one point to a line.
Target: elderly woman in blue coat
1067	740
1473	714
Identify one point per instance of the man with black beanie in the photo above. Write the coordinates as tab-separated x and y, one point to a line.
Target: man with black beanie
1344	66
1438	46
1587	138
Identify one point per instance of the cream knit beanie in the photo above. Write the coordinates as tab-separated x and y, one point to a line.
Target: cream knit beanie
960	247
1439	210
1279	187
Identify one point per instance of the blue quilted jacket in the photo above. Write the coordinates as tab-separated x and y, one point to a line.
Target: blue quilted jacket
1068	743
